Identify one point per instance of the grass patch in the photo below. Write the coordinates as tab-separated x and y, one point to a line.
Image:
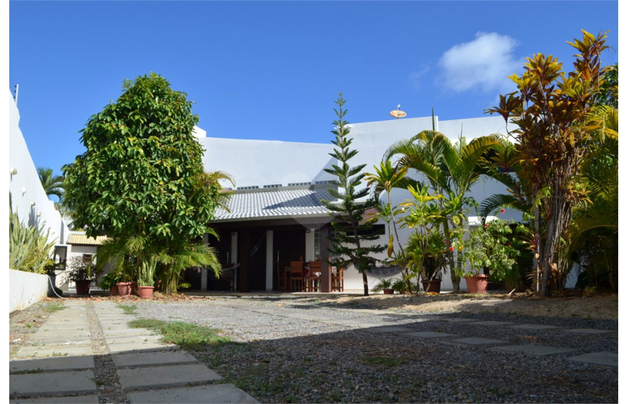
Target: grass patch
53	307
128	308
186	335
387	361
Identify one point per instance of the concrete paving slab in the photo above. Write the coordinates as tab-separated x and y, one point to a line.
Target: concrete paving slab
534	350
430	334
89	399
165	376
352	323
133	338
152	358
54	351
391	328
610	359
137	346
474	341
589	331
534	327
52	383
126	332
217	393
65	363
489	323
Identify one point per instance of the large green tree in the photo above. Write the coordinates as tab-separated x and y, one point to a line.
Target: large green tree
554	134
142	173
352	231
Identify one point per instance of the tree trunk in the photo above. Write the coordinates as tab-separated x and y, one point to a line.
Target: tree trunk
365	281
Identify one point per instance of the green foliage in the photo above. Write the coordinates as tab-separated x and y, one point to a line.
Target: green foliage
142	172
351	230
79	269
185	335
141	182
109	280
53	184
554	134
495	247
451	170
383	284
29	248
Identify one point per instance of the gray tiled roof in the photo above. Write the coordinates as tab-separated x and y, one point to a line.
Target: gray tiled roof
275	203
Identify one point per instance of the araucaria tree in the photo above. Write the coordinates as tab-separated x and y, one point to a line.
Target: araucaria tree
554	135
142	173
352	239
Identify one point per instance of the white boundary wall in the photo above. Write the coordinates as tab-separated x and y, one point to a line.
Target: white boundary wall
26	289
31	203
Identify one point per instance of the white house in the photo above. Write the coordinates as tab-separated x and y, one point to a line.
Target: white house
275	214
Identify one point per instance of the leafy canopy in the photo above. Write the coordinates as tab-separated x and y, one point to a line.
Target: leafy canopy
142	172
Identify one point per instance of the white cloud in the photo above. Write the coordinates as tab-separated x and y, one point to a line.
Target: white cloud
484	63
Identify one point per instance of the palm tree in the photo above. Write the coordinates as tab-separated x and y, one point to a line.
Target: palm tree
53	184
450	169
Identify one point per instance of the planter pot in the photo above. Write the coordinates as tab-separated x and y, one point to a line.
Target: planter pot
113	290
434	285
477	283
145	292
82	287
389	291
124	288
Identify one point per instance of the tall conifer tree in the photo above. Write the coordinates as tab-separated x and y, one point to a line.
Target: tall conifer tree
352	232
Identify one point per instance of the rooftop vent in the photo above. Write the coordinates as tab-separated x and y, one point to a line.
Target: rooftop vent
272	186
298	184
249	187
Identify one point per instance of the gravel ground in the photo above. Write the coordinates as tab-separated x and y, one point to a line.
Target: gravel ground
287	359
281	358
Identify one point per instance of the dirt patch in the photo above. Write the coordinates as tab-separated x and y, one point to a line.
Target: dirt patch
592	307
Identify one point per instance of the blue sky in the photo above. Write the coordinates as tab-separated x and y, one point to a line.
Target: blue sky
272	70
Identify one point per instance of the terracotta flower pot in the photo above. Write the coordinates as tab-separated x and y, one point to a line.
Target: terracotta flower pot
124	288
113	290
477	283
145	292
434	285
82	287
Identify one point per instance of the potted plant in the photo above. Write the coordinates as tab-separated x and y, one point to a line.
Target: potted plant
81	274
426	252
384	285
146	279
109	282
488	251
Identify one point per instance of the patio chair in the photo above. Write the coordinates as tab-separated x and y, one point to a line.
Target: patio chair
296	276
338	280
314	277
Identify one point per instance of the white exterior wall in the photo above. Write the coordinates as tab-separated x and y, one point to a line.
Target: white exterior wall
25	187
26	289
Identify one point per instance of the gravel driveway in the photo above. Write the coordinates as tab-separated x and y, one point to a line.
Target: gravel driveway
292	351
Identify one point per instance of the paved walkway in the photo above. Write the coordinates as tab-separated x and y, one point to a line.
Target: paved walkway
60	364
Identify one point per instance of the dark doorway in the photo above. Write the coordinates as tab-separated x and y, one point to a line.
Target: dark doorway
257	270
288	245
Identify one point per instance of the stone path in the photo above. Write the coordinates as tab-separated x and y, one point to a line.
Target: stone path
60	365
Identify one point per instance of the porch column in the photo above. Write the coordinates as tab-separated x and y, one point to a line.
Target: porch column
325	269
269	260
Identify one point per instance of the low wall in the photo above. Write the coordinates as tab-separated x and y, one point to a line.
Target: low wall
26	289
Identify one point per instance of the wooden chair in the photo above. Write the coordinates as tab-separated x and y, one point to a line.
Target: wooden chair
296	276
338	280
314	280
